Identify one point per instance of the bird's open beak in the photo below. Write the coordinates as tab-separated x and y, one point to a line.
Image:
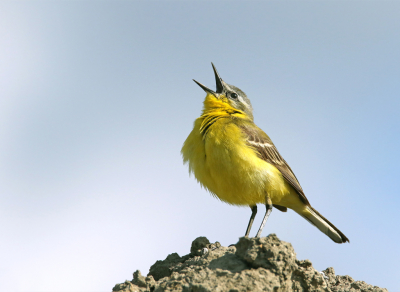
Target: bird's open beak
205	88
218	82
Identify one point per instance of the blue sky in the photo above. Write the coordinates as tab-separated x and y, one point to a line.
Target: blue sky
97	98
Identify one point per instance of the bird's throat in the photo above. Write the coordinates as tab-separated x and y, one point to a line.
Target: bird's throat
219	106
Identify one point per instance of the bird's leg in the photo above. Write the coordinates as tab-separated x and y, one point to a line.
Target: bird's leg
253	215
268	205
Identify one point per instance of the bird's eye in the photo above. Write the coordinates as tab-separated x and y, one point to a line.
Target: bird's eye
234	95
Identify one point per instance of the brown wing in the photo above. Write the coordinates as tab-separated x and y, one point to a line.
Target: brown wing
267	151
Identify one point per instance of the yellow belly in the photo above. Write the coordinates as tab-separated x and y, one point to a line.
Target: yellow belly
224	164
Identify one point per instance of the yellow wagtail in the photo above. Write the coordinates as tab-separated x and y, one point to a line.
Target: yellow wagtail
238	163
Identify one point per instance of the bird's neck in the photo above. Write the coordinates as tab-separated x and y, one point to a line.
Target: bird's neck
215	109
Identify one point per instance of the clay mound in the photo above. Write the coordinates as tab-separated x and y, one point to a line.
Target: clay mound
253	264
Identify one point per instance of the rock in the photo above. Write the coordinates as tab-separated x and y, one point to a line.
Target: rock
198	244
253	264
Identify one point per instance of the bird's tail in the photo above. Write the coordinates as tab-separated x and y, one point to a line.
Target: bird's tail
319	221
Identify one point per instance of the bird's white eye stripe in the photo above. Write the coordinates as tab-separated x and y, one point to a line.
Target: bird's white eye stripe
260	144
243	101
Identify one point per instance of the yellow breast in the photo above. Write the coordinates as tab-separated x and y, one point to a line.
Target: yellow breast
225	165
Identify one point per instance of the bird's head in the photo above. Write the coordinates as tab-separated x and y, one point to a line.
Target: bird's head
226	95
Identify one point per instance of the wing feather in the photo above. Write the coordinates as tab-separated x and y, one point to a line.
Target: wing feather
266	150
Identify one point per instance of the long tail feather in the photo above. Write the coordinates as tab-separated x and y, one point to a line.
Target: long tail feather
324	225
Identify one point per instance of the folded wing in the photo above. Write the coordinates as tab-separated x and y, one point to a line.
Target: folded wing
266	150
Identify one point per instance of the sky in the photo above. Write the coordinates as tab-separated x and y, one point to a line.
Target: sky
97	98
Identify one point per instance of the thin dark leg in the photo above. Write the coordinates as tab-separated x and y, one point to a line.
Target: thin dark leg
253	215
268	211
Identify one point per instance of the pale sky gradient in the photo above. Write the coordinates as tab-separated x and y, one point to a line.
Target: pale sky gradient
96	99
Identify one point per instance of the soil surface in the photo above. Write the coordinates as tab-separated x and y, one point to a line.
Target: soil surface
253	264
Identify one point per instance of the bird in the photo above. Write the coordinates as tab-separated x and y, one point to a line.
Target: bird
237	162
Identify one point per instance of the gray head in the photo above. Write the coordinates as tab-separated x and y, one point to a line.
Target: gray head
235	97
